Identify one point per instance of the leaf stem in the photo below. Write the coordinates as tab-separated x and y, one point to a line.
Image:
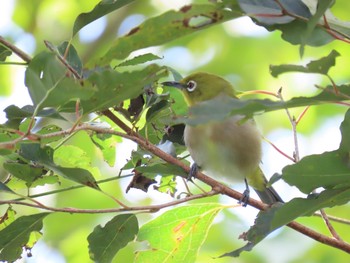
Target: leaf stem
15	50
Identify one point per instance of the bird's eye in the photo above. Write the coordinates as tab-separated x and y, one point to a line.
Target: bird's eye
191	85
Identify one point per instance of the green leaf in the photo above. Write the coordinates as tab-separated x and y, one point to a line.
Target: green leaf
25	172
105	242
17	234
294	33
72	156
320	66
261	228
322	7
269	12
71	56
45	180
156	108
308	206
7	218
167	185
107	144
345	131
44	156
48	84
341	29
168	26
7	138
295	20
139	60
49	130
280	215
162	168
113	87
103	8
177	235
42	74
329	170
219	108
4	53
4	188
16	115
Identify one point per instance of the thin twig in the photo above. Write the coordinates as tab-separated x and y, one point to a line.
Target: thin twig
329	225
15	50
296	156
279	150
73	187
149	208
63	60
335	219
293	122
302	115
254	92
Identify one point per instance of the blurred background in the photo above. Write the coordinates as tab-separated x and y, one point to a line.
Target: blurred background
238	50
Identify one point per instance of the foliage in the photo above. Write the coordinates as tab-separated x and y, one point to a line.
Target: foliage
82	106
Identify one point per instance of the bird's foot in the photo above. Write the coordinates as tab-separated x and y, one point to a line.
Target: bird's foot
193	172
245	198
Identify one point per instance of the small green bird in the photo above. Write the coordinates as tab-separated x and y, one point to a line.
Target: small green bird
228	149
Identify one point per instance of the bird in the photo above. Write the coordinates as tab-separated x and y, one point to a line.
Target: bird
228	149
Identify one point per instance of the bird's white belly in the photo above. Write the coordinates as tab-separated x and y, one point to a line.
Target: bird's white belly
228	150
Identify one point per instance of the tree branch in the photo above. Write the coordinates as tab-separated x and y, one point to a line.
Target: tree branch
149	208
15	50
218	187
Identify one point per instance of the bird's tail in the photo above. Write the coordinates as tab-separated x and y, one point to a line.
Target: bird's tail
266	193
269	196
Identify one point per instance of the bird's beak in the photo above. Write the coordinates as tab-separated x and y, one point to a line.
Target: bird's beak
174	84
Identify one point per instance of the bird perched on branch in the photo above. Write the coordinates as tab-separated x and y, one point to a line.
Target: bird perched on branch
228	149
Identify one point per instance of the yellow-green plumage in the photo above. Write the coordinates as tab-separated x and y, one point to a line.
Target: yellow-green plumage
228	149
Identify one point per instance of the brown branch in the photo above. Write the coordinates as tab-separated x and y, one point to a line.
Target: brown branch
218	187
15	50
319	237
149	208
119	123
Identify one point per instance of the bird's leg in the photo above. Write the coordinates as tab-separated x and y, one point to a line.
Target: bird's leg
245	198
193	172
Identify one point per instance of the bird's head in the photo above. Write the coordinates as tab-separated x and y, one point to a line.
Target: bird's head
199	87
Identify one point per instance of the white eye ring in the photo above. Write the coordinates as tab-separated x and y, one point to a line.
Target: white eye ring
191	85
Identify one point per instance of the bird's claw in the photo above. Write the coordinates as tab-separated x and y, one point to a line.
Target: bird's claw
245	198
193	172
